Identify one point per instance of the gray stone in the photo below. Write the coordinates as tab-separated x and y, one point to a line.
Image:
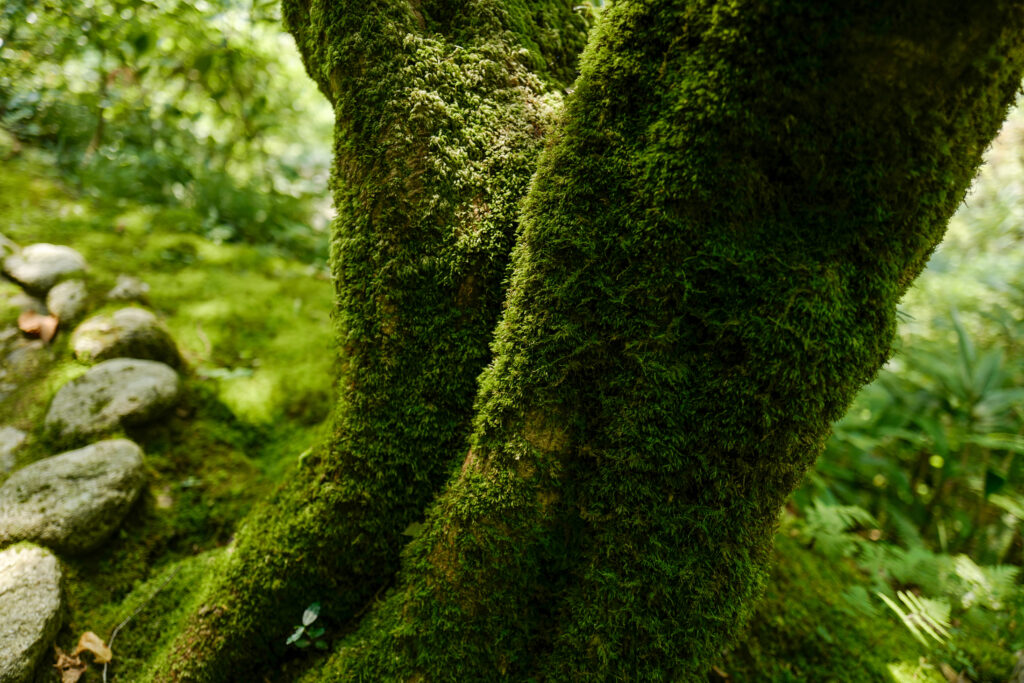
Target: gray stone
30	609
115	392
38	267
9	337
128	288
11	440
68	300
14	300
27	302
127	333
26	358
73	501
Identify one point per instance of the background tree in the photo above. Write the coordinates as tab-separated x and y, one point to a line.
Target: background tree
732	202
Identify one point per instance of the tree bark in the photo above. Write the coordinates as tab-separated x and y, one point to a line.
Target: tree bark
707	268
441	110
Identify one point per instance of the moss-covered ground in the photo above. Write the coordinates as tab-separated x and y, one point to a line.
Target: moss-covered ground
253	326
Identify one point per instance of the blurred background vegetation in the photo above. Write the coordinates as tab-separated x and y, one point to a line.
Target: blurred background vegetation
189	103
180	140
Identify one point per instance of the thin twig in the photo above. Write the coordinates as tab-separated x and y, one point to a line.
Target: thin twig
113	634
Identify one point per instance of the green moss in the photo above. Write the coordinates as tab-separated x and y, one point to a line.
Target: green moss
204	292
708	268
155	610
240	314
808	626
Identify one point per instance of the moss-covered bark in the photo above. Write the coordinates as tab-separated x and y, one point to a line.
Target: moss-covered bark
711	255
708	265
441	110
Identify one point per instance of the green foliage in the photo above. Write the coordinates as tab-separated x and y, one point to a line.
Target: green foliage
826	527
921	616
174	101
933	448
306	634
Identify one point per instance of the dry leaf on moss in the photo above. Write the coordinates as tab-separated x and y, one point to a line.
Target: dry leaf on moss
90	642
70	667
43	326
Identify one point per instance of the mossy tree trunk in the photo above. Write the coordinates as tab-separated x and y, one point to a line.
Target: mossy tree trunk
730	206
441	110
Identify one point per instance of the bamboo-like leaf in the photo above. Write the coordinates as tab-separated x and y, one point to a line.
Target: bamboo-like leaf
1012	443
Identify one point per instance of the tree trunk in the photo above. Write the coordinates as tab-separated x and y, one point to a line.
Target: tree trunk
710	256
441	111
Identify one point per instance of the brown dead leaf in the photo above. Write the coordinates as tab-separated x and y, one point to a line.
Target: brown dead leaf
90	642
70	667
42	326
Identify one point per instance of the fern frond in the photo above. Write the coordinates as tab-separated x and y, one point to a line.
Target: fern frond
989	587
922	616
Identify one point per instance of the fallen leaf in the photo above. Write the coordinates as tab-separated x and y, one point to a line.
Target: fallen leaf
90	642
43	326
70	667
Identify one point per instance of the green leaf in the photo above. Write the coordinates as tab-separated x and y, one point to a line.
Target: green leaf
1010	503
311	613
989	374
922	617
295	636
966	347
998	442
994	482
320	645
141	42
413	529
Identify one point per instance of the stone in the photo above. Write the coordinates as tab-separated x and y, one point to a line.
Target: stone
68	300
116	392
26	357
14	300
9	337
27	302
128	288
38	267
128	333
72	502
30	609
11	440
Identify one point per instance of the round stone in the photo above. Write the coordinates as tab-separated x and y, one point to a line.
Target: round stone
116	392
128	288
11	440
68	300
127	333
38	267
73	501
30	609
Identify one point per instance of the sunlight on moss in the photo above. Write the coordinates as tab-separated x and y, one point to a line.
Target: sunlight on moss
250	398
915	672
